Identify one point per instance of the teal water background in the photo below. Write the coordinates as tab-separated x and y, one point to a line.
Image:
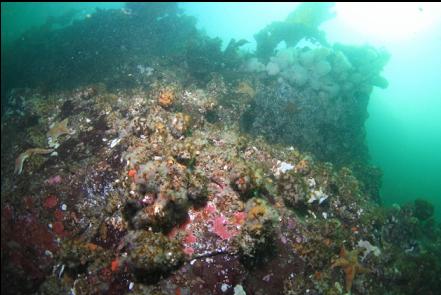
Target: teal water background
404	127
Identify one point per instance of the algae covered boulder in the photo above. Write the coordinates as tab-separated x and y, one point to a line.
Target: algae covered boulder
151	256
165	191
258	231
423	209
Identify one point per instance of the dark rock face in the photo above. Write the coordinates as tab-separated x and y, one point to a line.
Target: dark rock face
317	102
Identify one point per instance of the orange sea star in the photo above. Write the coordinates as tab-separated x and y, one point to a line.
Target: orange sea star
58	129
348	261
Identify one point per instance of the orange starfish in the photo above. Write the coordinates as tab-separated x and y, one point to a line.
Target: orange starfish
348	261
58	129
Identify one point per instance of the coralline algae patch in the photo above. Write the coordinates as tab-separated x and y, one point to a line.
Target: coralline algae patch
213	268
30	244
208	231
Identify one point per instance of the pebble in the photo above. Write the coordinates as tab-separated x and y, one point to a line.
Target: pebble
131	285
114	142
224	287
60	273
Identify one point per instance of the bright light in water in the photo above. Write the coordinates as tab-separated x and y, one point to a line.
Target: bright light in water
391	21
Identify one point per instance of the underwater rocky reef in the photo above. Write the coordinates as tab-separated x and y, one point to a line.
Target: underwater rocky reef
140	158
